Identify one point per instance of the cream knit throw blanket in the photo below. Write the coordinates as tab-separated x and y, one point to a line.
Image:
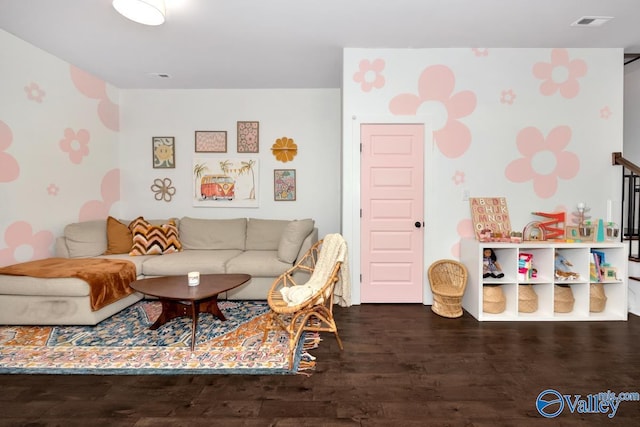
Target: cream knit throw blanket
334	249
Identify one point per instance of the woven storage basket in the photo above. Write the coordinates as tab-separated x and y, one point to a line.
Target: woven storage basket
597	298
563	299
527	299
493	299
448	280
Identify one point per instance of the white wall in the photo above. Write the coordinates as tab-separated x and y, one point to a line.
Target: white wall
461	95
311	117
632	112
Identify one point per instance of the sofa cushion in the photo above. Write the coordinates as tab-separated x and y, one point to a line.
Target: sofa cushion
196	233
264	234
151	239
180	263
86	239
119	237
258	264
292	237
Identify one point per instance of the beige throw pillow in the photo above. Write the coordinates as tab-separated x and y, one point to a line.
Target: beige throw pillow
86	239
292	238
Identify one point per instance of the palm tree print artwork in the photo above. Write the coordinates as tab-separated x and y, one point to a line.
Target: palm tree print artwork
225	182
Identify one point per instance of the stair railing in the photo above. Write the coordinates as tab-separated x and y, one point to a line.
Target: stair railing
630	222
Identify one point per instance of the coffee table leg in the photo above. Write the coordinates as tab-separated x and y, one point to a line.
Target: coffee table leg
211	306
195	309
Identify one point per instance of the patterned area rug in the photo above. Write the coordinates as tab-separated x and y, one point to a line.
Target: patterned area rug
124	344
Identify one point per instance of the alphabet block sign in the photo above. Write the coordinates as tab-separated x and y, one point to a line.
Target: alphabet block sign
490	218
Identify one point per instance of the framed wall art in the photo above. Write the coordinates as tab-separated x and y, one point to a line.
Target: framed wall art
211	141
164	152
284	185
222	182
248	137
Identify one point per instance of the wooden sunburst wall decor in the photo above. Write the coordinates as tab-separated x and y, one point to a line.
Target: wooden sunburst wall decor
284	149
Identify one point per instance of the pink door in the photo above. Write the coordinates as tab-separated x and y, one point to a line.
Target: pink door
392	202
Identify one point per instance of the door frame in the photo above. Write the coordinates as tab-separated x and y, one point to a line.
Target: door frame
351	195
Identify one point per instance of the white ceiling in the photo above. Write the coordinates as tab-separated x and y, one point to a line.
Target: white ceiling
296	43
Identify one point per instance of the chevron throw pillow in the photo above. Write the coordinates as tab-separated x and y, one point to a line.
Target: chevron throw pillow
149	239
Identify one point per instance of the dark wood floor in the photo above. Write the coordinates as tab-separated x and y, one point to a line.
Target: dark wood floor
402	366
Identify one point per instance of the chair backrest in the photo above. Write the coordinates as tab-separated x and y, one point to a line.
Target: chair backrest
448	274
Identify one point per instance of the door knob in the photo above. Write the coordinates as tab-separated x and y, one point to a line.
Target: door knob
418	224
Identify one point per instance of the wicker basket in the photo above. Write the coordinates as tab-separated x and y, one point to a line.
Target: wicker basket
493	299
597	298
448	280
527	299
563	299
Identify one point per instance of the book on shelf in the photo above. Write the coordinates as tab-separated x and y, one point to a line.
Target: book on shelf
595	269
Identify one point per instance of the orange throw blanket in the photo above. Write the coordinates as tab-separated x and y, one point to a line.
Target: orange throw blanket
108	279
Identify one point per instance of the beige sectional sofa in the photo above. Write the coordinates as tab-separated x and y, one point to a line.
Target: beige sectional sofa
263	248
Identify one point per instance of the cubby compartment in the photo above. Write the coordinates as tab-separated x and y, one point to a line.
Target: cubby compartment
539	258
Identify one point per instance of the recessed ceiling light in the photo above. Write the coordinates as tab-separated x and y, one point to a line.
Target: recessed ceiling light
591	21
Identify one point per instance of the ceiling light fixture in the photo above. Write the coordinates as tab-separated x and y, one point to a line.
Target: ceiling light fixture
147	12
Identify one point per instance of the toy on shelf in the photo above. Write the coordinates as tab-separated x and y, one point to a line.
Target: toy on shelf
563	268
585	227
525	267
490	265
554	227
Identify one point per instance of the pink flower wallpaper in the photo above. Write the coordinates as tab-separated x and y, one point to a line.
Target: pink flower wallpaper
436	85
58	150
536	126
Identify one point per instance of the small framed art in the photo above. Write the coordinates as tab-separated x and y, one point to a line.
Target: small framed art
211	141
164	152
248	137
284	185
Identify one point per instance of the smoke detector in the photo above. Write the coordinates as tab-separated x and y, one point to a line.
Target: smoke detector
591	21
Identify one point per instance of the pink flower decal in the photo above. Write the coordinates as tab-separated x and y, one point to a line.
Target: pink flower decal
34	93
507	97
544	160
458	178
10	168
369	76
52	190
76	144
480	51
605	113
23	245
561	74
95	88
110	192
436	98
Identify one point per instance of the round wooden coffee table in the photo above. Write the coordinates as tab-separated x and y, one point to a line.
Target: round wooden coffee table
179	299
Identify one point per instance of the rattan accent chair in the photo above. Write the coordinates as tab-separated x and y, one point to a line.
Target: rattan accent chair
313	314
448	280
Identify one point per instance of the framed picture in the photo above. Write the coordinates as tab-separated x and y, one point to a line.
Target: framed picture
211	141
164	152
248	137
226	182
284	185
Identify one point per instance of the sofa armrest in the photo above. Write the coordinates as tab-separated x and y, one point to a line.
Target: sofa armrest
60	249
307	243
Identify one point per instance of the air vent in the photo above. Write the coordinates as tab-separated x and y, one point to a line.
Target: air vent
591	21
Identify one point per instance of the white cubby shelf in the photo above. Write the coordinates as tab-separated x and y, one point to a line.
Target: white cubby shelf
544	284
